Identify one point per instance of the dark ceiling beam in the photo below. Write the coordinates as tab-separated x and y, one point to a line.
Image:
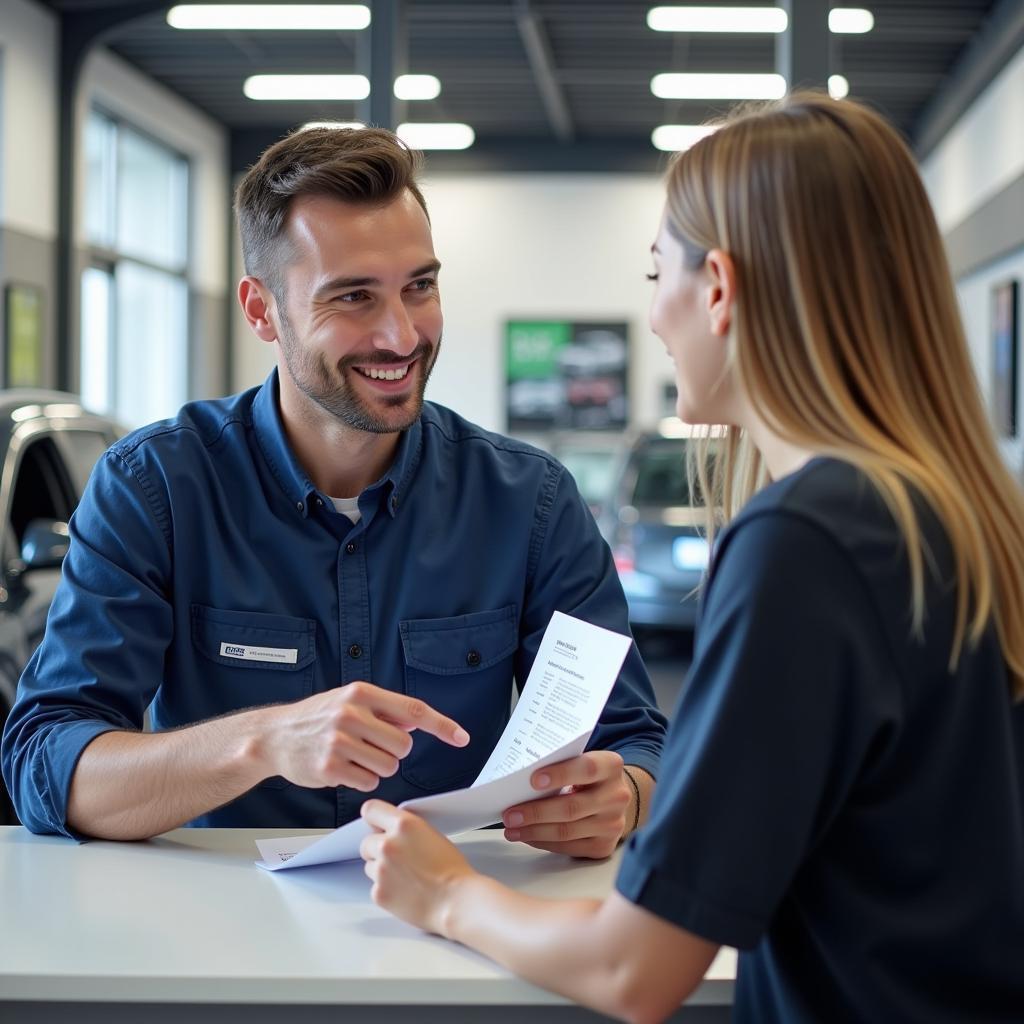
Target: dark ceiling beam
997	41
80	30
626	155
382	55
538	53
803	51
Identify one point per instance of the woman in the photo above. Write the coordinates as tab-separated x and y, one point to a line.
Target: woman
841	792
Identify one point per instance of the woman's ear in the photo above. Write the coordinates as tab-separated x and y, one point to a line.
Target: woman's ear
720	291
256	307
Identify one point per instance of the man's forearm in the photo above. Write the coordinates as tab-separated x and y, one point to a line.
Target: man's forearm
130	785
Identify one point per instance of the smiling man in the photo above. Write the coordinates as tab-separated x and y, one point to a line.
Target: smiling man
323	587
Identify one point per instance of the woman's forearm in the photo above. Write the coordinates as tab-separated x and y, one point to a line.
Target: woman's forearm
610	956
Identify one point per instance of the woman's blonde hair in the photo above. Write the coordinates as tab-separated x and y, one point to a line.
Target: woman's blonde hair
847	338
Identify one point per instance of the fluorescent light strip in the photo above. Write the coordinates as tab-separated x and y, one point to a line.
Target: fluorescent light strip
718	87
838	87
436	136
717	19
677	137
307	87
850	20
333	124
264	17
774	20
417	87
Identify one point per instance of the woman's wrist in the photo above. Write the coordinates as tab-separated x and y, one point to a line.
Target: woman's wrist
463	892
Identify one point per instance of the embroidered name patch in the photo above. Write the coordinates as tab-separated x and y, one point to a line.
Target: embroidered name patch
281	655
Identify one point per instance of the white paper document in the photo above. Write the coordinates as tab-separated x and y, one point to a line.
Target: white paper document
574	671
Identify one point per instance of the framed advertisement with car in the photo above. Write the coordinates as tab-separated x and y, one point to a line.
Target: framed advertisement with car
566	374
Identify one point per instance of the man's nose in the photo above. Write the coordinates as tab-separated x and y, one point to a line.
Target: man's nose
395	331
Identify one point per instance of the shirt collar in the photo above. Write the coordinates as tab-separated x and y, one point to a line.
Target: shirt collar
294	480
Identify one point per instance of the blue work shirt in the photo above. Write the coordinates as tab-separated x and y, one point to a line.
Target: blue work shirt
201	538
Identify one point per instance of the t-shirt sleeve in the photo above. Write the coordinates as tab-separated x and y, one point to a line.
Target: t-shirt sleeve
790	681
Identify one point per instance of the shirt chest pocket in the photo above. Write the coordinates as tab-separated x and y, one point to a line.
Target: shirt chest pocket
253	659
463	667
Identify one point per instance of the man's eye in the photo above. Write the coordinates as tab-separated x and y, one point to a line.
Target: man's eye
652	277
351	296
424	284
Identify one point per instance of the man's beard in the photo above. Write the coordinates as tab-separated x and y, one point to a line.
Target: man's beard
329	388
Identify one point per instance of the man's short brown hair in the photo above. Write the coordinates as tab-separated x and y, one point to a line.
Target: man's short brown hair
356	165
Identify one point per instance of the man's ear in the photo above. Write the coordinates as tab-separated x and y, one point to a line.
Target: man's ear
257	304
721	291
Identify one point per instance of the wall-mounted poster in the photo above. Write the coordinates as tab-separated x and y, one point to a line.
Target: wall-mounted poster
1004	357
566	374
23	336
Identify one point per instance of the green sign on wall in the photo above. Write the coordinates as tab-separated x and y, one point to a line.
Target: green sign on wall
566	374
533	347
24	335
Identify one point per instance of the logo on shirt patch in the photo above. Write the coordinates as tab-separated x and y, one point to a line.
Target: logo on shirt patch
280	655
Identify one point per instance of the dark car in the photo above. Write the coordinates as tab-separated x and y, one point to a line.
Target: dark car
655	530
593	460
48	444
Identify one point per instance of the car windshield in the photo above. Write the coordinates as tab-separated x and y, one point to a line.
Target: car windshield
661	476
593	471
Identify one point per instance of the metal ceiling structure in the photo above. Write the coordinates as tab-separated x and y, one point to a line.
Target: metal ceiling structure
544	84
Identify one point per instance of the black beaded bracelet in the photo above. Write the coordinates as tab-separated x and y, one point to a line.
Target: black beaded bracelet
636	796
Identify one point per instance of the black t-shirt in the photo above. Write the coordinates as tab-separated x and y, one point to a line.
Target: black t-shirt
832	798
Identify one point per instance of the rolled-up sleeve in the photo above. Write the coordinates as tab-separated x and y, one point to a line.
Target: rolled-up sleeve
572	571
101	658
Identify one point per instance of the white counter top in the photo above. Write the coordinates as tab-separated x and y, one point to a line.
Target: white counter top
188	918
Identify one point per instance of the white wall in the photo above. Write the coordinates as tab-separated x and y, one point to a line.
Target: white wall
28	118
982	154
522	246
975	293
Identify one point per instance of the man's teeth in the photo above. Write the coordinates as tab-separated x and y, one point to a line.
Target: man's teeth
379	374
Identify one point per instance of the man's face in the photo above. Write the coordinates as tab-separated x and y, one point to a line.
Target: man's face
359	324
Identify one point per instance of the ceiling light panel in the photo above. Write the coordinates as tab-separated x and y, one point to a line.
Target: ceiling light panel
673	138
266	17
718	86
417	87
838	87
850	20
307	87
436	136
717	19
333	124
751	20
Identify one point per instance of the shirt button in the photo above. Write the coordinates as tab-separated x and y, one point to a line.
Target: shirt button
298	505
350	548
473	659
319	502
355	651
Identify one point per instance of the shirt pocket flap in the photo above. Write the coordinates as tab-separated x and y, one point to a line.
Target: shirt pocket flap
257	640
462	643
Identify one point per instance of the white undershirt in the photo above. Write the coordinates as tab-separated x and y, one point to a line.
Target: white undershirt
348	507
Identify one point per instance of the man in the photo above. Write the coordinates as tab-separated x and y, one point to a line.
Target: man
320	588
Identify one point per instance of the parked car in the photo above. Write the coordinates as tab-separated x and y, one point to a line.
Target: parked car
593	460
48	445
655	530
